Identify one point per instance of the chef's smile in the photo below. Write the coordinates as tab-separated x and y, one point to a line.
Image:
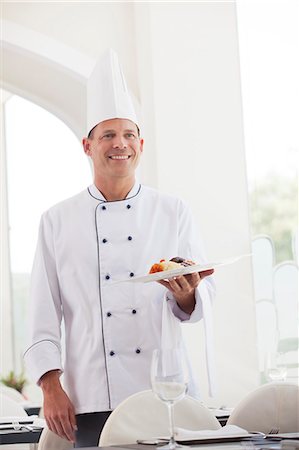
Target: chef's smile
119	157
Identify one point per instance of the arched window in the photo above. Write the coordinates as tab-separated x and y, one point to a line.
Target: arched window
45	164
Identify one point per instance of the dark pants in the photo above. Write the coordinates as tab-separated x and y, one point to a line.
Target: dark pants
89	430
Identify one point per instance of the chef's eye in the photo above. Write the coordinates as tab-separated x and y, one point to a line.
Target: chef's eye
108	136
130	136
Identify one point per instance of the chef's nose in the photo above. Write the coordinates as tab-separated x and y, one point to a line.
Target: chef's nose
119	143
121	146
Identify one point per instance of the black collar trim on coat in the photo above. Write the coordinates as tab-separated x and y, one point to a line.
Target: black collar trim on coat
115	201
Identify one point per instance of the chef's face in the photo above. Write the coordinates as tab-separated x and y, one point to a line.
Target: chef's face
115	148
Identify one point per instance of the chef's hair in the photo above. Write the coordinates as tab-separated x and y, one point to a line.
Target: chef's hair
90	134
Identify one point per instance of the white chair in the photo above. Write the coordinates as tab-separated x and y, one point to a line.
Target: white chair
285	293
10	408
51	441
143	416
271	406
267	331
12	393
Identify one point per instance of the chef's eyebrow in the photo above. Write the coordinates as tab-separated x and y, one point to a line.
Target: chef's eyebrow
90	134
131	131
108	131
113	131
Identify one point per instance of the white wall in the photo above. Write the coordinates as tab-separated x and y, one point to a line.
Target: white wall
193	62
181	61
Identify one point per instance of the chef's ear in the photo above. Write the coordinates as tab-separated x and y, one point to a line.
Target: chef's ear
86	146
141	145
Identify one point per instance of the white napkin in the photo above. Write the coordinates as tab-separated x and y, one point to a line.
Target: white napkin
171	330
182	434
39	422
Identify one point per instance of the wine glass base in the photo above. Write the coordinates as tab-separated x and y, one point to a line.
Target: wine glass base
171	446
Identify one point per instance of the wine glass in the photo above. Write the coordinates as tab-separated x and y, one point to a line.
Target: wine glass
276	369
169	378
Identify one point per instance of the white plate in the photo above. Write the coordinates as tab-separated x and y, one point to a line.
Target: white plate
16	423
167	274
220	438
18	419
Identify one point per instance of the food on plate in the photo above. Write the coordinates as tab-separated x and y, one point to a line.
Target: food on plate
173	263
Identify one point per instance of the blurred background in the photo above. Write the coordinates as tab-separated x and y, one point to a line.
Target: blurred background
216	83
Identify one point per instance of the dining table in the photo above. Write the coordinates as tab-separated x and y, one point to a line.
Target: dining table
290	441
242	445
22	436
25	436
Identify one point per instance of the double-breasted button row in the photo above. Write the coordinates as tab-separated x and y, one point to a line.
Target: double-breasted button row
112	353
105	240
107	276
109	314
104	207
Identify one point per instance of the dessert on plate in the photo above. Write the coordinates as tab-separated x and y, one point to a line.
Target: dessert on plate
173	263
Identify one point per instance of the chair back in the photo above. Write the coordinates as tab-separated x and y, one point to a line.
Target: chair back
271	406
285	290
144	416
11	408
267	330
12	393
51	441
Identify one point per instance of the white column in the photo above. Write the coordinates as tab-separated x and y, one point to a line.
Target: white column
6	307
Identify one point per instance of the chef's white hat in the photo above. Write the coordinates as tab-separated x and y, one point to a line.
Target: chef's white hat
107	92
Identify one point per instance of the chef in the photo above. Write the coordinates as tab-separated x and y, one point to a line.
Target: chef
89	250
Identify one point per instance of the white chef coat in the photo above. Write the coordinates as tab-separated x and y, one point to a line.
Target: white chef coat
85	244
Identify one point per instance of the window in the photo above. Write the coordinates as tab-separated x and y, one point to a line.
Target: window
268	37
45	164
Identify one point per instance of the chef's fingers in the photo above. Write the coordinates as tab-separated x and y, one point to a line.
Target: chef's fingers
51	426
60	431
62	424
164	283
185	282
194	279
206	273
68	429
55	426
188	283
73	419
174	284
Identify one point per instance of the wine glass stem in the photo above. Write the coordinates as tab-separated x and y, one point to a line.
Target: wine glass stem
172	443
